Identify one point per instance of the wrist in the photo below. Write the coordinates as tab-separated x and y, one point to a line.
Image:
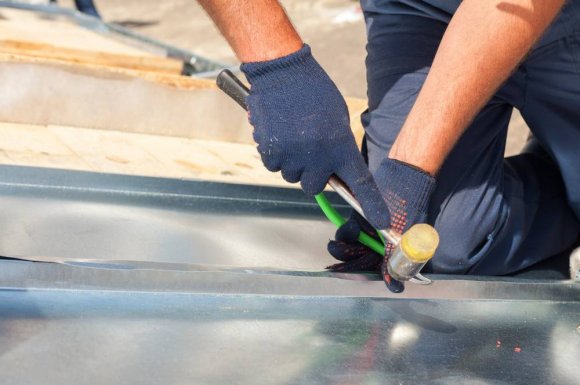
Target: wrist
257	52
291	68
407	181
426	165
416	148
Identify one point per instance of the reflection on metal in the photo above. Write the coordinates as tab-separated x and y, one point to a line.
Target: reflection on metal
403	334
76	325
166	281
193	64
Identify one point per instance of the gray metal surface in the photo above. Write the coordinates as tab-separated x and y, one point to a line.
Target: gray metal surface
76	215
154	327
145	292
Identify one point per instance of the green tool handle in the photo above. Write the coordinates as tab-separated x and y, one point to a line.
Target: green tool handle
235	89
335	217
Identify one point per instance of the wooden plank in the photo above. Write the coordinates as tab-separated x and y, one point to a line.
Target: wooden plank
78	56
133	154
210	160
87	96
107	72
43	92
110	151
25	144
46	29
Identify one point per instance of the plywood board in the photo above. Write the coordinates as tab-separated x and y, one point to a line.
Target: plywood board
132	154
35	145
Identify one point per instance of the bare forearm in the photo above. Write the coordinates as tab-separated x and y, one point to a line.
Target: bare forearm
483	44
257	30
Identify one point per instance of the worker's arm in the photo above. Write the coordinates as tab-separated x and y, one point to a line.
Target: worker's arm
483	44
257	30
300	120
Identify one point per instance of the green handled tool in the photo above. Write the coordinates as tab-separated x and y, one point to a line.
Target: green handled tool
413	249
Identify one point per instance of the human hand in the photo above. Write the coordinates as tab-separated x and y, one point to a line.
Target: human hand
407	191
301	125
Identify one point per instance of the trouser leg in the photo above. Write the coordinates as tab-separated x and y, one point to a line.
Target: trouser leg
552	111
552	108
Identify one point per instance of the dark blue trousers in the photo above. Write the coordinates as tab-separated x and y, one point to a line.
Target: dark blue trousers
494	215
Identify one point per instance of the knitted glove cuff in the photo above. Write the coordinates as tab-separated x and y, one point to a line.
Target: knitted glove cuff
406	181
286	69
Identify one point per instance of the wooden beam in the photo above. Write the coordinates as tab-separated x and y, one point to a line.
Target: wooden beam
48	91
104	59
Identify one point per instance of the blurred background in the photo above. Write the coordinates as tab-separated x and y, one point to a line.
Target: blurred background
134	93
334	28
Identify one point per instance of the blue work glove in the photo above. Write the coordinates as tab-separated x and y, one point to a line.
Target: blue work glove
407	191
302	128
